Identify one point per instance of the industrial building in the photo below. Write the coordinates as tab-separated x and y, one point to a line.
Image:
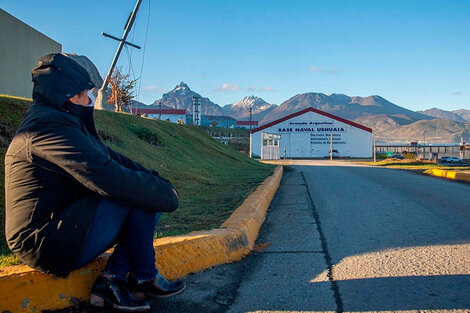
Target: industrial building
171	115
213	121
311	133
218	121
247	124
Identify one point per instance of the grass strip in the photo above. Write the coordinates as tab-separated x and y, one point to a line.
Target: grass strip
212	179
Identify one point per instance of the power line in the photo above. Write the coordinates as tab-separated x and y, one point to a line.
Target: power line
143	53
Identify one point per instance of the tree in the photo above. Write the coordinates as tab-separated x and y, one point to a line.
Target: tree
121	90
213	123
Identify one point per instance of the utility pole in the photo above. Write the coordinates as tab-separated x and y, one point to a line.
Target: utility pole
251	116
100	97
122	42
375	157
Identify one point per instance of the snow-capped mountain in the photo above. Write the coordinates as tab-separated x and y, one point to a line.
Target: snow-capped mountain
181	97
251	102
241	109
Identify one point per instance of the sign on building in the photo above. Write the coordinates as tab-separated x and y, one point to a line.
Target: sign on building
310	133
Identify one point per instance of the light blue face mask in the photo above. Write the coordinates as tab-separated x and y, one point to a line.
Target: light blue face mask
92	99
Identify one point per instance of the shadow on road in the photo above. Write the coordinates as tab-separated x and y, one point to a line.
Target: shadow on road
397	240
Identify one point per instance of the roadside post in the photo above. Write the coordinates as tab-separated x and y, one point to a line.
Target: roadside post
375	157
331	147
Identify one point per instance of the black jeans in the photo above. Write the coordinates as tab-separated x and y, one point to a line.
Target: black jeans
132	230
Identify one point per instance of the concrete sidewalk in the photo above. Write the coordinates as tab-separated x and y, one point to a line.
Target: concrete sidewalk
278	276
285	270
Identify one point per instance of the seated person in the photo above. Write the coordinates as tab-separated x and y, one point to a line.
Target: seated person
70	198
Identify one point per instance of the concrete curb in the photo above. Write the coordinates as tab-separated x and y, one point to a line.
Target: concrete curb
23	289
449	174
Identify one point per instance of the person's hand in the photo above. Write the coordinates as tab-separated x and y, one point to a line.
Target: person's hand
175	192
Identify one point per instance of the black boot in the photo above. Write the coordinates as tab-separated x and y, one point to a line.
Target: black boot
115	292
159	287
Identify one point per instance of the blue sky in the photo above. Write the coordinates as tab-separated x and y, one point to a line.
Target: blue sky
413	53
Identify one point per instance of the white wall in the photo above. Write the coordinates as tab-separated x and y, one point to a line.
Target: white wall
308	136
21	46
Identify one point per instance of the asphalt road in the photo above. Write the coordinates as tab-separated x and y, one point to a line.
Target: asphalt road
391	241
346	238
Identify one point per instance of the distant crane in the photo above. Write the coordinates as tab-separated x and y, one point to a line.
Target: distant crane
196	111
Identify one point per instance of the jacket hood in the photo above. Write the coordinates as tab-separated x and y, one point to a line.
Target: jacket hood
57	77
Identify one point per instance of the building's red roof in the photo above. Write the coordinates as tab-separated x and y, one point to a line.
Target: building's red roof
248	123
158	111
288	117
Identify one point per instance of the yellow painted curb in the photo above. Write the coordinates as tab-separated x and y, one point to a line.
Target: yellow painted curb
449	174
23	289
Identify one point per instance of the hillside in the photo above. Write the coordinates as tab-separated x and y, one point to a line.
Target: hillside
212	179
443	114
437	130
463	113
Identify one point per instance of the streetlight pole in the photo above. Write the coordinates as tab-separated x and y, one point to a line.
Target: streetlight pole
424	144
374	152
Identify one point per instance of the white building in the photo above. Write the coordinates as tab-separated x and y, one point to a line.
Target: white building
171	115
308	134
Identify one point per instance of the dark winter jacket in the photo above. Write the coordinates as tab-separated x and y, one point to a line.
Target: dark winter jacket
57	169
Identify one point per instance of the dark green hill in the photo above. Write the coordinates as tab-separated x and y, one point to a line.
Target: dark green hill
212	178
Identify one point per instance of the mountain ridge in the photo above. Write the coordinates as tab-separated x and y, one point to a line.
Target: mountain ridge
374	111
461	115
344	106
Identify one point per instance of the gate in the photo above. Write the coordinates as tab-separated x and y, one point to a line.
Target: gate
270	149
